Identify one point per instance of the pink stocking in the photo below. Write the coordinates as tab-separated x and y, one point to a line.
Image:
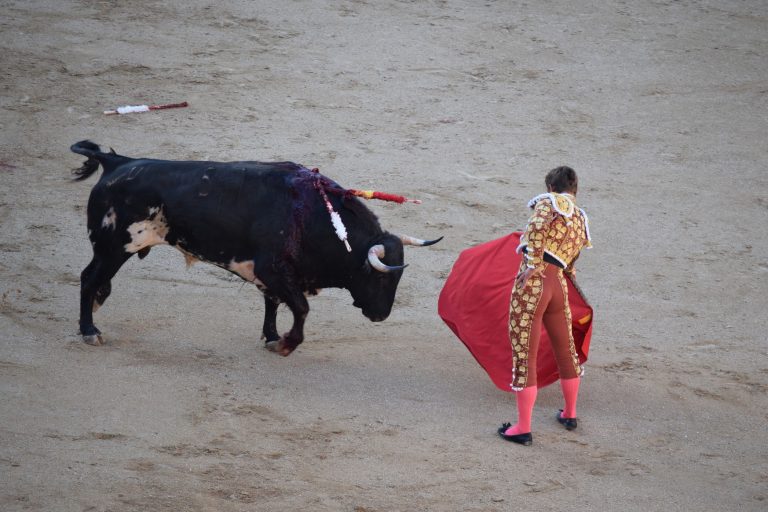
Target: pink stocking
525	401
570	393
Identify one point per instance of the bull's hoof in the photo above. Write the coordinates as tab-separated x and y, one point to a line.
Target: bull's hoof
93	339
279	347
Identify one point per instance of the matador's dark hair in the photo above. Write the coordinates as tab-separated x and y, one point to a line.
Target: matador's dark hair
562	179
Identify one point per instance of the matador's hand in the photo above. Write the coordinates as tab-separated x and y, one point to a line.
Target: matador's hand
522	278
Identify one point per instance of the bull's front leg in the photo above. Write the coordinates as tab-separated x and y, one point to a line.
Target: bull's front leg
269	330
299	306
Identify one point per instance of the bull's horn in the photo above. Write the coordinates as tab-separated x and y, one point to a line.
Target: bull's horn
409	240
375	254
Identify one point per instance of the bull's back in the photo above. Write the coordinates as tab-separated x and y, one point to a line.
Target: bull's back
216	210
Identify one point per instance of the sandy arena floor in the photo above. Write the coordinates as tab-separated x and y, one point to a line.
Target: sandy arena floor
660	106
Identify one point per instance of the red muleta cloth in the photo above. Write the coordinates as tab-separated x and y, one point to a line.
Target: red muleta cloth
474	303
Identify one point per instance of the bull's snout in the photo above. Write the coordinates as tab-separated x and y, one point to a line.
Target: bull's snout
374	318
370	315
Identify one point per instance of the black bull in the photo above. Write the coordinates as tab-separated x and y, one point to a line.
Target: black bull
265	222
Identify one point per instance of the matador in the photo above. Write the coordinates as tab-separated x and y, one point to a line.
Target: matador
556	233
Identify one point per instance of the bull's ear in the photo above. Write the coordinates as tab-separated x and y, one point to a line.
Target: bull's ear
367	267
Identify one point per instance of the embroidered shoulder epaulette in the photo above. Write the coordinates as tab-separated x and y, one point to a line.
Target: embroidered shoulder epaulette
562	203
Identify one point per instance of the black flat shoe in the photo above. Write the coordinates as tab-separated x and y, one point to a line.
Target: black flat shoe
568	423
524	439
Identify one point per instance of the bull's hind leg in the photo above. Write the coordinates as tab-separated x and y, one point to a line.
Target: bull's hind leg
101	295
95	287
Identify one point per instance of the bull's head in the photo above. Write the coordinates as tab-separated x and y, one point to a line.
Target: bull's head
374	290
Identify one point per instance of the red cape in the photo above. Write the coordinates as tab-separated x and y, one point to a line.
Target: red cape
474	303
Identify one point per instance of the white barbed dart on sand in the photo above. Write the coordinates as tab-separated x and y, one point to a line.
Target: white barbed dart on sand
130	109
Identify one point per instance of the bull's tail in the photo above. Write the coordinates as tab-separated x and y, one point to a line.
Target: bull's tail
95	158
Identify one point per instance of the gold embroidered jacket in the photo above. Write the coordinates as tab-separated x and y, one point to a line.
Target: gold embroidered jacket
557	227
